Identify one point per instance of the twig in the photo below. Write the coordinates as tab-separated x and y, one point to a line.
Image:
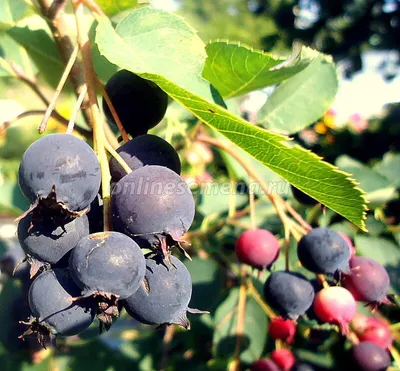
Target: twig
256	296
97	122
77	107
58	90
168	336
252	208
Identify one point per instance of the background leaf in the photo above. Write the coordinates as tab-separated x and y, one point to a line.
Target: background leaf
389	167
302	99
113	7
12	11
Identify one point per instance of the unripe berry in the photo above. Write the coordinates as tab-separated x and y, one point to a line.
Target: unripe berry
373	330
284	358
335	305
282	329
258	248
264	364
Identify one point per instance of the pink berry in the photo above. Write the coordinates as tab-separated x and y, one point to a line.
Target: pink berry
373	330
353	249
368	280
284	359
335	305
257	247
264	364
282	329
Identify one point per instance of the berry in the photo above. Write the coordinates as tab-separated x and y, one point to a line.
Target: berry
324	251
303	198
145	150
282	329
264	364
335	305
257	247
48	243
373	330
164	295
291	294
284	358
107	263
368	280
368	356
353	249
152	201
50	299
64	164
140	104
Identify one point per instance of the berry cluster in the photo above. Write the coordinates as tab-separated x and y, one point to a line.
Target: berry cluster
352	278
81	271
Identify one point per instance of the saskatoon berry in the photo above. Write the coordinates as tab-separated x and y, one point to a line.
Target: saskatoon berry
368	280
335	305
257	247
48	243
163	296
108	263
264	364
353	249
284	358
140	104
291	294
152	201
65	162
282	329
145	150
373	330
303	198
324	251
51	301
368	356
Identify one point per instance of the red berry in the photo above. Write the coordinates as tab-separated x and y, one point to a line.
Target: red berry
353	249
284	358
368	280
257	247
264	364
373	330
335	305
282	329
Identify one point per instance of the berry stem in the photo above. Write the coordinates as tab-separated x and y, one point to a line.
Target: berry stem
322	280
97	122
116	155
251	290
78	104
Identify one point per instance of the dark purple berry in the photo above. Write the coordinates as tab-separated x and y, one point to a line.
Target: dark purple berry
324	251
145	150
51	301
139	103
164	295
368	356
64	164
291	294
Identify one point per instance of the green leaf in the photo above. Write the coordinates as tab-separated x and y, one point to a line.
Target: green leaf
12	201
389	167
380	249
11	11
113	7
302	99
236	69
43	51
161	47
379	189
255	329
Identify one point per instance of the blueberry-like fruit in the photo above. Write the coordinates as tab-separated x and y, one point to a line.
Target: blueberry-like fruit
145	150
150	204
51	301
62	169
140	104
258	248
324	251
291	294
368	356
164	294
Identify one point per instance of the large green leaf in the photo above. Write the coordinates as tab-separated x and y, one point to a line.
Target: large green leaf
113	7
302	99
235	69
43	51
255	329
11	11
161	47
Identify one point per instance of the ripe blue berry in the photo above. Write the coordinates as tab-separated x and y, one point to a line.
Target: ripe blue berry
369	356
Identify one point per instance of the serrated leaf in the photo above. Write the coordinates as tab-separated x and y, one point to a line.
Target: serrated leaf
379	189
236	69
302	99
42	50
113	7
161	47
255	329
